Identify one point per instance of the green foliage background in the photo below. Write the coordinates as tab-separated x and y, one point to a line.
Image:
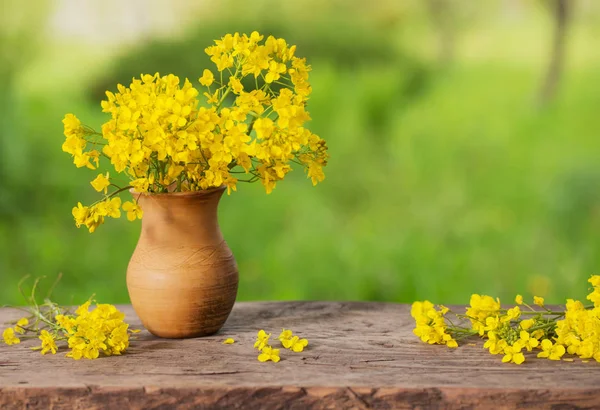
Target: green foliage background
446	177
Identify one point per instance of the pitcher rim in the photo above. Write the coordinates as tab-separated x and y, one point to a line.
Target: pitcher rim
185	194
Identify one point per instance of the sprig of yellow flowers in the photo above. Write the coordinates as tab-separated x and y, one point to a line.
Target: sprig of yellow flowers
513	332
164	137
87	333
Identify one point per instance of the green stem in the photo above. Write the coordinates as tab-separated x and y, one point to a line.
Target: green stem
58	278
543	312
544	326
41	317
284	84
225	94
112	194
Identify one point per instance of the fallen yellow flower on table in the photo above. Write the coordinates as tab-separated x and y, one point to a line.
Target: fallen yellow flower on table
48	342
20	324
262	339
285	334
268	353
295	344
228	341
513	354
289	341
551	351
9	337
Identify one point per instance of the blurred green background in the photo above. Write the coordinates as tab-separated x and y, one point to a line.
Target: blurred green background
464	140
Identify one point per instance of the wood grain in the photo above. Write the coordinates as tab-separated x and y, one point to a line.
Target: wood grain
361	355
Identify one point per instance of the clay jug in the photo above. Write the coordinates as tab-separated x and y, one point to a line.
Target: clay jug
182	277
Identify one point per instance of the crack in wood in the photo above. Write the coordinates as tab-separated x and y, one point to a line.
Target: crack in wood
378	360
359	398
198	373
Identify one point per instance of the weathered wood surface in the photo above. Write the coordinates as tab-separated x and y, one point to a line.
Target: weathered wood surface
361	355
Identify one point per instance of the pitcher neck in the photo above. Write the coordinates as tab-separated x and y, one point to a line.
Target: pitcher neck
181	218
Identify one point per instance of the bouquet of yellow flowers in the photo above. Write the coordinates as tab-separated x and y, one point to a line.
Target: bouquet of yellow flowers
86	333
513	332
164	136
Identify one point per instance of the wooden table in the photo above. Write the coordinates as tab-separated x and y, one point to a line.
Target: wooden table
361	355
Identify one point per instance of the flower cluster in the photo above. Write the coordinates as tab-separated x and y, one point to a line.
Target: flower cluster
90	333
267	352
86	333
9	335
291	341
165	136
515	331
579	331
431	326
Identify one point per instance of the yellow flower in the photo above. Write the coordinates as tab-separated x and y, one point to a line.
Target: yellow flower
551	351
212	98
538	301
511	314
315	173
80	213
83	309
262	339
207	78
118	338
101	183
295	344
574	306
72	125
275	71
527	341
268	353
236	85
48	342
141	184
113	207
264	127
83	160
21	323
519	300
110	208
9	337
527	323
65	322
538	334
594	296
73	144
228	341
449	341
133	210
512	354
481	307
430	324
491	323
285	334
494	344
